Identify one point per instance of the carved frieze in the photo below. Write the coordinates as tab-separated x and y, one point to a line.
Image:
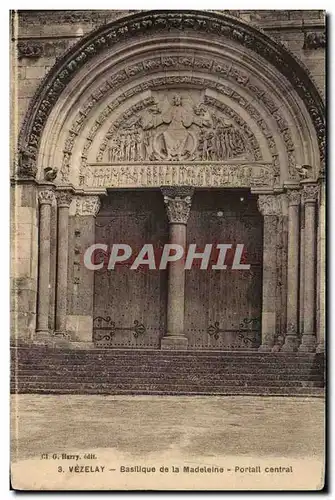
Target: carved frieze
190	174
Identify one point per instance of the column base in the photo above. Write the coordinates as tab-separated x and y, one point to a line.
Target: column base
174	342
42	338
290	344
81	345
265	348
308	343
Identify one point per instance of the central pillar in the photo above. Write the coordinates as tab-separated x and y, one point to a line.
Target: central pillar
178	204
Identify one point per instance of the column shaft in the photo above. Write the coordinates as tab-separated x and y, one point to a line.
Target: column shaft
178	204
64	200
322	271
176	284
308	340
45	197
269	206
291	337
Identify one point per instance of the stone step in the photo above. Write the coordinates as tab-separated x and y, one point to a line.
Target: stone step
164	355
165	372
176	391
117	375
190	381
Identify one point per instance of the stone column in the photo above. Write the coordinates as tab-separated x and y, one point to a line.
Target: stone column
46	197
310	195
322	268
270	208
64	198
291	337
81	279
178	204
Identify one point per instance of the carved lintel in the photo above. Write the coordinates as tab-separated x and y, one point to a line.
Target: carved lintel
88	205
293	196
64	198
269	204
178	202
310	193
313	40
46	197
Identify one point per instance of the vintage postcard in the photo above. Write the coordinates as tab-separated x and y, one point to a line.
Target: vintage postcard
168	249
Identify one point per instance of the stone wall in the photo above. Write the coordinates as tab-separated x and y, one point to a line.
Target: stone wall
44	36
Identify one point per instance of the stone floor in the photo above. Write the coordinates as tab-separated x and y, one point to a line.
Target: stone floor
141	430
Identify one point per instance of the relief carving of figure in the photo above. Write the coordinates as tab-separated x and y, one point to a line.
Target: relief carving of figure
177	129
177	142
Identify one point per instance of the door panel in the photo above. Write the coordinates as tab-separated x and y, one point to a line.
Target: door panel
130	305
223	307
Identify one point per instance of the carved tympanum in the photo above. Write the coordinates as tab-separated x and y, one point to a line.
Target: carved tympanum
178	129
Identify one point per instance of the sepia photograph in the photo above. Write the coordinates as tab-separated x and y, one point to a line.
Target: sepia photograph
168	250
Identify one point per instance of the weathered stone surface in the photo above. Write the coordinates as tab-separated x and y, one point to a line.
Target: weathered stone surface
177	117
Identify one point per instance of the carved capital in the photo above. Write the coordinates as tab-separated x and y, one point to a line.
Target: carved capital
293	196
178	202
88	205
310	193
46	197
269	204
64	198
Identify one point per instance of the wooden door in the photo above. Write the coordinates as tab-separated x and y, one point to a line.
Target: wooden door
223	307
130	305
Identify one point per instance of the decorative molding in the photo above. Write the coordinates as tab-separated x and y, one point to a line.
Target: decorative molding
88	205
178	202
46	197
210	174
269	204
314	40
161	21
